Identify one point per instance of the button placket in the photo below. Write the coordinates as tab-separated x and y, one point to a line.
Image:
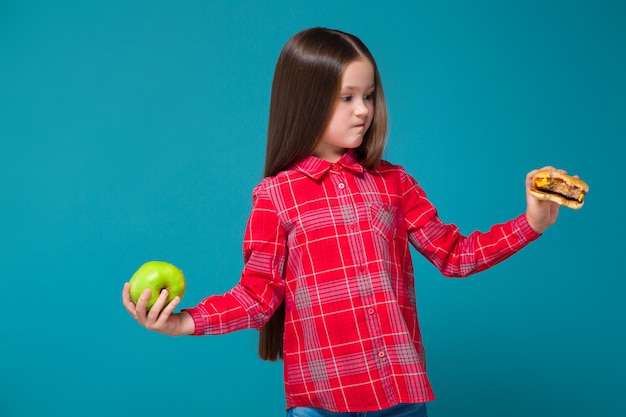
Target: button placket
338	179
364	283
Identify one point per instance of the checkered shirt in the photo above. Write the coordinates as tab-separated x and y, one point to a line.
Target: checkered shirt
332	241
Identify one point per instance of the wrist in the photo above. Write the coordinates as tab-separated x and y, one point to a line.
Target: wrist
186	324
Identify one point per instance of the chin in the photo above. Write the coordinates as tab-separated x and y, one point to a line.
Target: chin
356	143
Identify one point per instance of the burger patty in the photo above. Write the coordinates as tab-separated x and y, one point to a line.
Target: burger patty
558	186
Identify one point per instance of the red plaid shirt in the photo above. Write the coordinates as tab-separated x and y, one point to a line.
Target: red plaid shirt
332	241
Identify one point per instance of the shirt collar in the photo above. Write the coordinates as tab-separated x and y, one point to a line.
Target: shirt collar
316	168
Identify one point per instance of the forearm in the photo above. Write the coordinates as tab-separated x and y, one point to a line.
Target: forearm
238	309
460	256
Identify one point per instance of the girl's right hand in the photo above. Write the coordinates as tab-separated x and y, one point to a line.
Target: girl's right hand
160	317
539	213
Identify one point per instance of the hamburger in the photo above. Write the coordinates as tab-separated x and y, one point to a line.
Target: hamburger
553	185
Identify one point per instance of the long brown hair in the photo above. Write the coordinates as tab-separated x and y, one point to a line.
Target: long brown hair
306	85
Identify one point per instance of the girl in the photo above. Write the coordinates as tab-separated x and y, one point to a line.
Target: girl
328	277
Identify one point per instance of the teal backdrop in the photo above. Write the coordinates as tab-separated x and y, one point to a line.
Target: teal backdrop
135	130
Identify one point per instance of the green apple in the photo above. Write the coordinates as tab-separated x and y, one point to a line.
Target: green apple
157	276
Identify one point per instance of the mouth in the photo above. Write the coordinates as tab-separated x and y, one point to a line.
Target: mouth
361	123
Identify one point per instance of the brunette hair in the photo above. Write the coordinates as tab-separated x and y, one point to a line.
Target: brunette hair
306	85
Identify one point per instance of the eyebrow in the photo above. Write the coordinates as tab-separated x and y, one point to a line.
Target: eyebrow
352	88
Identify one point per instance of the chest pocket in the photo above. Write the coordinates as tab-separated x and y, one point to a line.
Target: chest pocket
384	219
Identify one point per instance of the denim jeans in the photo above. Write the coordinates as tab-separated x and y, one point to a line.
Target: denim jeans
400	410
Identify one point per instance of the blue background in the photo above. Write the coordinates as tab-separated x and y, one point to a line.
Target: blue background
132	131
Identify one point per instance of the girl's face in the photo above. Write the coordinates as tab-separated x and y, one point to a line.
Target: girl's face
353	112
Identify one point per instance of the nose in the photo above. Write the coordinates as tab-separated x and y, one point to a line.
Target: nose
361	109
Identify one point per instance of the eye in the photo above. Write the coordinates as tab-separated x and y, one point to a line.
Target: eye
369	97
345	98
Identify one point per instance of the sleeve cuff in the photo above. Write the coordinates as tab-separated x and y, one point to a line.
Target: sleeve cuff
197	314
525	230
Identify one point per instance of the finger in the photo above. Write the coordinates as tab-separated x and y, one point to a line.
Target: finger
161	323
127	302
155	310
550	167
529	178
169	309
142	306
126	294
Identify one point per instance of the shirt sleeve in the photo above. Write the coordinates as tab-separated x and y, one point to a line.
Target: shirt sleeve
251	303
454	254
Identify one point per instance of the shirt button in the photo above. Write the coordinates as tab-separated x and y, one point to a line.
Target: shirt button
381	354
370	311
341	185
352	226
361	268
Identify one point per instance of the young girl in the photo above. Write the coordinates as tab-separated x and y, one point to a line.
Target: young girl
328	277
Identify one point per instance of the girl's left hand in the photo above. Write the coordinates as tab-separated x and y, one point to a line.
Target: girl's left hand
161	317
540	214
